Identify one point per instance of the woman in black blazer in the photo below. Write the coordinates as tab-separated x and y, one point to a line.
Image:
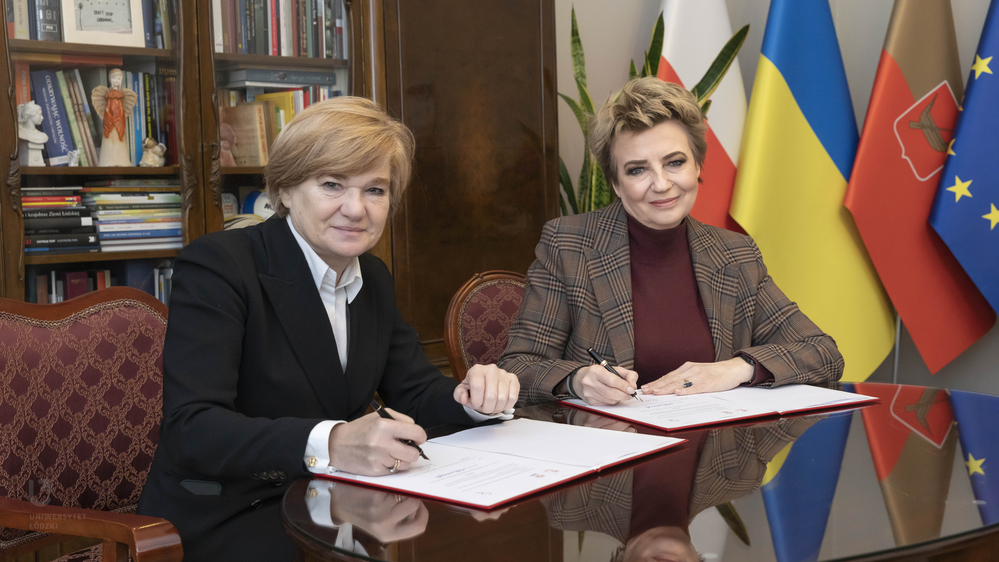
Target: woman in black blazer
281	333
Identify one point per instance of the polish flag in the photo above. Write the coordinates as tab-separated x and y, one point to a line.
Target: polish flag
694	34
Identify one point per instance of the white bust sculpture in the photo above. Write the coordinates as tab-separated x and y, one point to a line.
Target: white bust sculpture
29	116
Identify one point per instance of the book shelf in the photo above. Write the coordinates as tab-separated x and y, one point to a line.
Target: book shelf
193	162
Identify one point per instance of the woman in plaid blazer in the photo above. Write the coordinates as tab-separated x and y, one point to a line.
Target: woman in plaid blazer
709	317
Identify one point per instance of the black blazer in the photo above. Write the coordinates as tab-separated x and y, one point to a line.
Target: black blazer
251	366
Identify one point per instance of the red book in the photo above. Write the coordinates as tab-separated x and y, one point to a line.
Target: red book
22	81
75	284
275	37
907	135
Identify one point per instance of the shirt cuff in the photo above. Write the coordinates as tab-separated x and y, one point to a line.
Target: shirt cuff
480	417
317	500
317	448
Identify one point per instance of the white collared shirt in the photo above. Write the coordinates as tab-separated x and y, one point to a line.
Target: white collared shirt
336	295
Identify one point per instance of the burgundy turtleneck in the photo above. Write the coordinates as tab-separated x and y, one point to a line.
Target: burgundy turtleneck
671	327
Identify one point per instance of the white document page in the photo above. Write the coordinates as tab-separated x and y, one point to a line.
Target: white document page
463	468
796	397
567	444
670	411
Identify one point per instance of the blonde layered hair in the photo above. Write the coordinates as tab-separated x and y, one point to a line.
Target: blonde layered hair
339	137
643	104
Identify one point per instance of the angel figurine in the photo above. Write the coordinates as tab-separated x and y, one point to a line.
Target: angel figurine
114	103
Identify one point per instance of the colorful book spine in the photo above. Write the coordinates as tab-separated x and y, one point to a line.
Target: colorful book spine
94	135
86	140
54	122
70	212
60	240
22	82
32	20
149	24
22	19
47	12
74	128
164	10
140	234
138	121
217	26
261	36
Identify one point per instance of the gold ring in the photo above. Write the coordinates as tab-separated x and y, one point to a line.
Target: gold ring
395	467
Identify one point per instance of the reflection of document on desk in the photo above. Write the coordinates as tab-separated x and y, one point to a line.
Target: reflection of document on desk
491	465
673	412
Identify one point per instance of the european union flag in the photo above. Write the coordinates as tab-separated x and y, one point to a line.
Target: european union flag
976	415
966	209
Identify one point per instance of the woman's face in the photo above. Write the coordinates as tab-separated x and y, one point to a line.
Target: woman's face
656	174
340	217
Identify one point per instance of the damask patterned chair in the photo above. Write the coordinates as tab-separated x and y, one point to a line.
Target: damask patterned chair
479	318
81	397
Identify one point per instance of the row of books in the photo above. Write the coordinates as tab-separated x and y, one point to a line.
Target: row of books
251	120
289	28
72	123
43	20
128	215
49	286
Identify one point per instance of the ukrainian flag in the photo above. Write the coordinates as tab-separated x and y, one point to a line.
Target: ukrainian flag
797	153
799	486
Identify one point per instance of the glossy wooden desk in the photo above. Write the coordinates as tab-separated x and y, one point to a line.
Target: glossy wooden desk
887	482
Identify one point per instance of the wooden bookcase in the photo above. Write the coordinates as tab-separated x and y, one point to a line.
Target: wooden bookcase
476	84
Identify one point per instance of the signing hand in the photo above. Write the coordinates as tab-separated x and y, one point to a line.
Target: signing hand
370	446
703	377
487	389
599	387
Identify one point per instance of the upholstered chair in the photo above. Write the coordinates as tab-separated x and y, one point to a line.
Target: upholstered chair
81	397
479	318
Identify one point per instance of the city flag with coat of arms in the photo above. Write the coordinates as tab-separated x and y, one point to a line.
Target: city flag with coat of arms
907	132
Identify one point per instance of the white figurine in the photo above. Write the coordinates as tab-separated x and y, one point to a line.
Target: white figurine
153	154
29	116
114	103
74	158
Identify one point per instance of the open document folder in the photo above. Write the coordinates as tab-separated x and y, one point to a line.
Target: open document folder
487	466
672	412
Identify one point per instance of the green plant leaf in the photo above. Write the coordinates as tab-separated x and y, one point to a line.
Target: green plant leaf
602	195
581	117
584	98
561	206
705	106
585	181
569	193
632	71
719	67
578	59
645	66
656	47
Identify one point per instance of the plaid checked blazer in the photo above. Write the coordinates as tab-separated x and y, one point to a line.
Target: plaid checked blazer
578	295
732	464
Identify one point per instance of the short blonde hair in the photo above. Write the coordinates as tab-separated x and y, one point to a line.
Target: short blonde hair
643	104
342	136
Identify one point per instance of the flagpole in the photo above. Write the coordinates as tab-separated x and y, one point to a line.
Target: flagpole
898	336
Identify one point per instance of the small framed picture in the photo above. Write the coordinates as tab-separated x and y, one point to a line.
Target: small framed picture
103	22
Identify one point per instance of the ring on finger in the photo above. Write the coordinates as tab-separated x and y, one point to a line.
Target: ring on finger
687	384
395	467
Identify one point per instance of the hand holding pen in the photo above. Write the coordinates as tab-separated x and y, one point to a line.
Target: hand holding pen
603	385
385	415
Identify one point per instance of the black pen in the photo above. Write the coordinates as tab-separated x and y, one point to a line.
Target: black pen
381	412
603	363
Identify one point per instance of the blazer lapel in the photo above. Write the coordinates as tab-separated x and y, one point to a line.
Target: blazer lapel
292	291
717	283
361	356
609	268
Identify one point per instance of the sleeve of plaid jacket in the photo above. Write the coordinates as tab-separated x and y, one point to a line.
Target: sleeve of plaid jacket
785	341
538	337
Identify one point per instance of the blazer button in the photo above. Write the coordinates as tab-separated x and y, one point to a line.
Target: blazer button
282	475
256	504
265	476
274	475
256	476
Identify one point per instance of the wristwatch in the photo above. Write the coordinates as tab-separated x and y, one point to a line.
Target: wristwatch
748	359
